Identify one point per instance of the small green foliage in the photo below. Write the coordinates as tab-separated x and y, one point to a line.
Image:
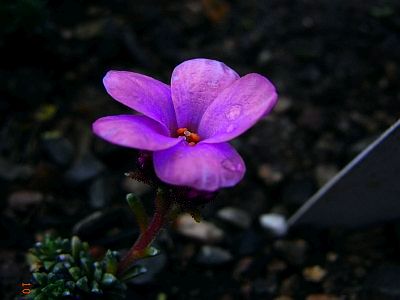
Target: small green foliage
64	269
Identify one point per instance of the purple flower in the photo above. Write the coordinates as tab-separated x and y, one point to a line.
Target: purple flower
187	125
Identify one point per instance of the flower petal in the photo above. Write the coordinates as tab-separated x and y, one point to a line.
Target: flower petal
205	167
194	85
237	108
138	132
143	94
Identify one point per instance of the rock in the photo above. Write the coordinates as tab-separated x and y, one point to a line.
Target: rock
311	118
382	283
283	105
314	273
88	224
100	224
10	171
23	200
264	286
249	243
84	169
59	149
331	257
299	190
242	267
203	231
293	251
276	266
210	255
361	145
323	173
99	193
153	265
274	223
322	297
264	57
133	186
235	216
290	285
283	298
269	174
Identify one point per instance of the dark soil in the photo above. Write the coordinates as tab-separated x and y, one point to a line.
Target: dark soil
336	68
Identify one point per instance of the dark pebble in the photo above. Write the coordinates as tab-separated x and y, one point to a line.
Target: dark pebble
383	283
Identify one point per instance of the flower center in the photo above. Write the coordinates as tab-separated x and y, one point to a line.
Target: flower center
190	137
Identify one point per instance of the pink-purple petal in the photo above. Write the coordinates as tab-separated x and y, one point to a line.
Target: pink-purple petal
132	131
143	94
206	167
237	108
194	85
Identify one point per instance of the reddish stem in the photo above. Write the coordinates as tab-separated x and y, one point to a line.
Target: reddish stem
147	236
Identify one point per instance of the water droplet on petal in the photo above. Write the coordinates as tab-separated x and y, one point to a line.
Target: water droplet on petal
233	112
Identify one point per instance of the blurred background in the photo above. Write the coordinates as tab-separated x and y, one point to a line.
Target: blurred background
336	68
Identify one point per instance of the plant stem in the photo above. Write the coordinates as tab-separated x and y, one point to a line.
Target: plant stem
147	236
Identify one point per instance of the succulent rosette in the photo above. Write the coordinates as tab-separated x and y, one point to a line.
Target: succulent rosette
187	125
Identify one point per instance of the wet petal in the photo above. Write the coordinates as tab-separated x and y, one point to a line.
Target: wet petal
206	167
194	85
237	108
143	94
138	132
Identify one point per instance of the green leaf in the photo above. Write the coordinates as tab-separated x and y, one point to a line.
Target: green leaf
86	264
98	271
96	288
32	259
75	272
133	272
111	263
57	267
138	209
48	265
108	279
40	278
70	285
82	283
151	251
76	246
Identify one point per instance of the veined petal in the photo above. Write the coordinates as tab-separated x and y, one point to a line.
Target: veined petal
194	85
132	131
237	108
205	167
143	94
